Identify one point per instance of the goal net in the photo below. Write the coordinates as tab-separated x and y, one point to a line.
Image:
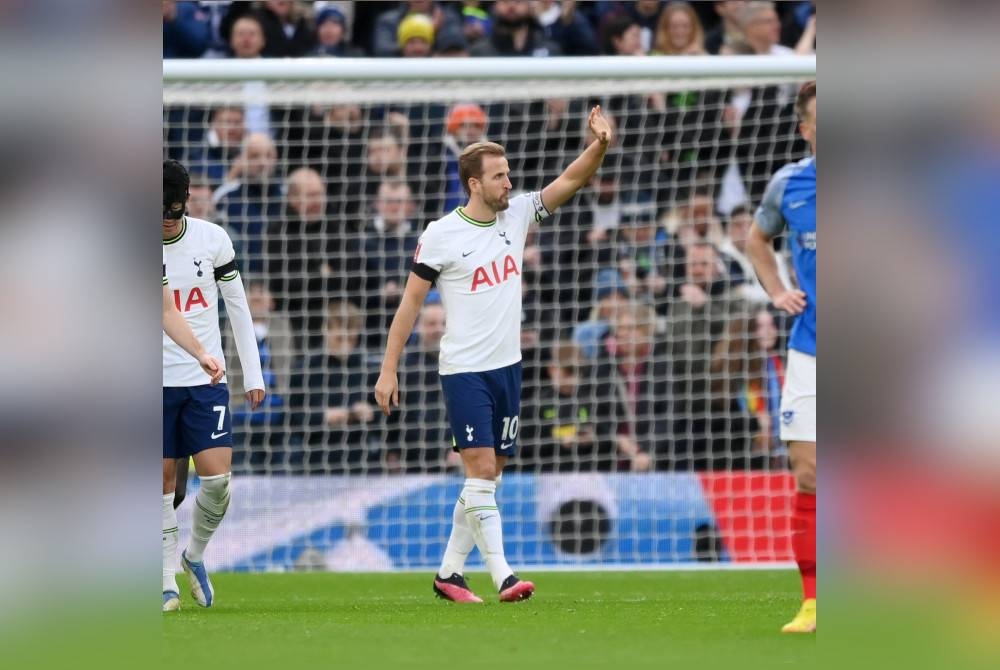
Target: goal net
652	364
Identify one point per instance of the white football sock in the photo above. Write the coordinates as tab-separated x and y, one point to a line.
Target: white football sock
209	507
460	542
169	543
483	516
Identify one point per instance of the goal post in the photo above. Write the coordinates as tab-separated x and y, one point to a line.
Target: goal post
324	172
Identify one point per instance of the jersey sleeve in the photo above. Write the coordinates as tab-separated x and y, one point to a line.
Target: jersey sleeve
769	217
537	208
432	253
225	257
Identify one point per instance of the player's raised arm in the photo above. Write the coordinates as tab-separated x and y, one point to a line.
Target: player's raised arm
387	386
180	332
579	172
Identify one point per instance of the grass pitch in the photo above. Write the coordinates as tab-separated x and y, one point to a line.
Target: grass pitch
614	620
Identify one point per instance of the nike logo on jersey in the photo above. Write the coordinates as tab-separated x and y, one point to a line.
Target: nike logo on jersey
506	445
796	204
216	436
468	252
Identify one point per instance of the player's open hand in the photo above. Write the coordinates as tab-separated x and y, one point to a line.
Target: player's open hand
386	390
793	301
255	397
212	367
599	125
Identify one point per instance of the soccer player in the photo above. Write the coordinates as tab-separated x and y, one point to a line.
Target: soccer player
790	201
475	256
200	261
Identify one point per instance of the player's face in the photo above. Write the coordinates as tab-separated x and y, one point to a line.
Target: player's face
495	184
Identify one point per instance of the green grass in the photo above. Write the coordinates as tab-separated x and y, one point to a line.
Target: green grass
614	620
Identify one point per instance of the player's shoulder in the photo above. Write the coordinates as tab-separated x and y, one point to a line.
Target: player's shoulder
791	169
443	223
207	228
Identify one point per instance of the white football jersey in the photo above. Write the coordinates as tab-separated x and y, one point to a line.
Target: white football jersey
480	283
190	262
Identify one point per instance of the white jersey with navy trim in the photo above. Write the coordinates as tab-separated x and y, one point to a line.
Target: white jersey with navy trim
190	262
479	265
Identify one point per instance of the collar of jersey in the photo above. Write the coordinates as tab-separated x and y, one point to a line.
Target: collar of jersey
184	227
469	219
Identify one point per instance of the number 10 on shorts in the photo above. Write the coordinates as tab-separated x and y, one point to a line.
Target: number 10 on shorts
509	428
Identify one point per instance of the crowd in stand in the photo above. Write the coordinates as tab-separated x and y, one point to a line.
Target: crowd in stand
648	343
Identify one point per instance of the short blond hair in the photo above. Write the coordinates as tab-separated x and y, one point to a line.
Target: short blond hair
470	162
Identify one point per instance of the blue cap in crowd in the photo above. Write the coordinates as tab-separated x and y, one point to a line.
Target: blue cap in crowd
330	14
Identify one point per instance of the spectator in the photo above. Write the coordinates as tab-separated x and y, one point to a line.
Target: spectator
623	37
274	344
250	197
387	38
729	29
247	41
247	37
466	124
331	35
645	13
762	29
385	157
566	27
287	31
220	146
418	438
698	320
798	29
220	26
566	428
679	31
450	42
476	22
734	246
329	399
200	205
310	258
748	374
416	36
610	295
390	244
186	30
631	371
641	254
515	33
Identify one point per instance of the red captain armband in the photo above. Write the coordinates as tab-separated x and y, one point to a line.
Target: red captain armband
425	272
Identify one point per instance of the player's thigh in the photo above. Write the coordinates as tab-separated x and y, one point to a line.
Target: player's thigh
470	410
205	421
798	399
505	387
802	458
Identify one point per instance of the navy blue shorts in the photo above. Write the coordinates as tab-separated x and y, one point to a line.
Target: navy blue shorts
483	408
195	418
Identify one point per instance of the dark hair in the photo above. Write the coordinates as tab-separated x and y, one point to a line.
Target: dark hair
614	29
470	162
737	210
806	93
